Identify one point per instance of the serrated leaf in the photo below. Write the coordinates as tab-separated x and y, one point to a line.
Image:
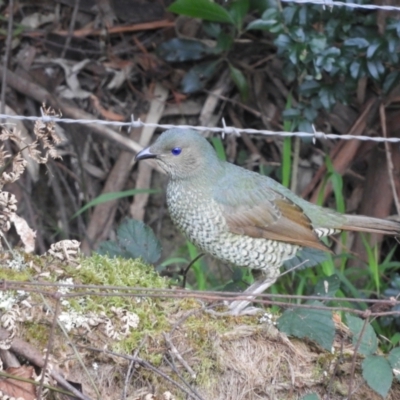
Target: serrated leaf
314	324
369	341
111	249
178	50
203	9
394	360
327	287
139	241
240	81
378	374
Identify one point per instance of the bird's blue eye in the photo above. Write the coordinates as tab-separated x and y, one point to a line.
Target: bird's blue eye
176	151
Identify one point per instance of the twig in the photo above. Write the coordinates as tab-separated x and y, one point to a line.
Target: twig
49	348
171	364
174	352
389	158
353	361
186	270
33	355
129	372
71	28
7	56
144	364
335	369
295	164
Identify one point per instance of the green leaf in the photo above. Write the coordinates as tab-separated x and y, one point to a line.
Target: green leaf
394	360
219	147
203	9
270	13
224	42
314	324
283	41
111	249
309	87
327	97
356	42
375	68
327	287
373	48
196	78
369	341
378	374
240	81
238	10
317	44
212	29
103	198
355	67
305	126
390	81
139	240
178	50
291	113
134	240
261	25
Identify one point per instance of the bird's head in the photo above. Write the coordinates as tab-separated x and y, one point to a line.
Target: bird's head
182	153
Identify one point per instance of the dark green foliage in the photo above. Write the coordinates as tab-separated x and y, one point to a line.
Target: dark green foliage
223	24
378	374
134	240
307	257
327	287
178	50
368	344
394	360
326	51
314	324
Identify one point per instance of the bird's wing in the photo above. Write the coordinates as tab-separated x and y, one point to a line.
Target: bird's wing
252	208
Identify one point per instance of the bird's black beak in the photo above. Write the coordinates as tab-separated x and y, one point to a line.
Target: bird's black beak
145	153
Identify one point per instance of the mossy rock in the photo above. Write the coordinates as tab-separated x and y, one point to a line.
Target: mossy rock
115	312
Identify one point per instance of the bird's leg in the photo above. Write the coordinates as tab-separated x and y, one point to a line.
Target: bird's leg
240	307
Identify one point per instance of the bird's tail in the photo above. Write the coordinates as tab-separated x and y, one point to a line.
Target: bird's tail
362	223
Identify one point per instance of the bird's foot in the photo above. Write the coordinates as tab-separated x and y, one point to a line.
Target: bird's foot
241	307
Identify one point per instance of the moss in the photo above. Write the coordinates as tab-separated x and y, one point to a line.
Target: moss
36	333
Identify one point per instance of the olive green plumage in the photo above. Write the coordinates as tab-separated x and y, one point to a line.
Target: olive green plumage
240	216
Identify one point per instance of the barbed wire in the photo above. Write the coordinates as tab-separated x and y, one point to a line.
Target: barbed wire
331	3
222	130
388	306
